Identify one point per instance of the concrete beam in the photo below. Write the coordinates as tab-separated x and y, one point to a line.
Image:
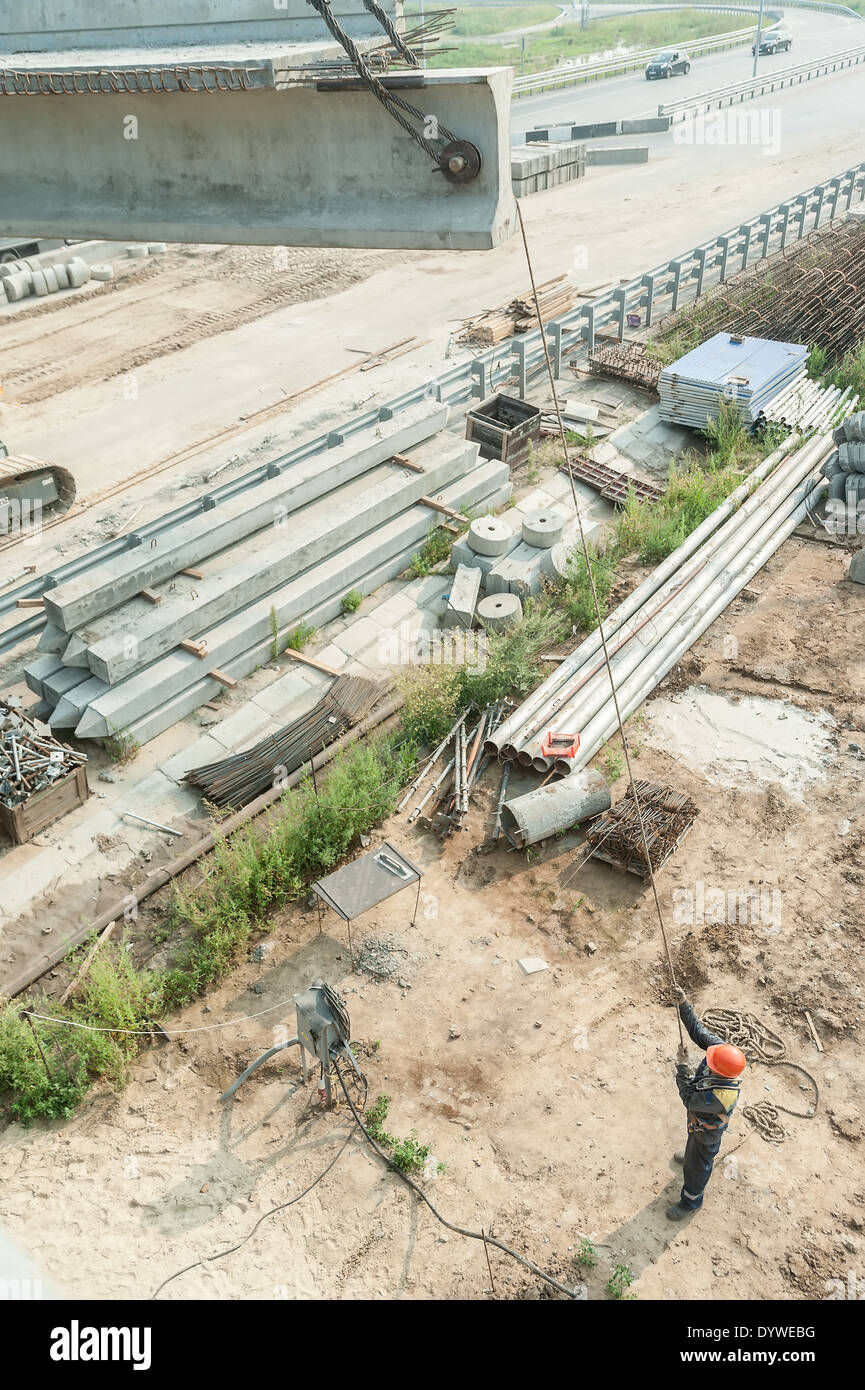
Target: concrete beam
353	513
308	598
81	600
266	163
42	25
464	493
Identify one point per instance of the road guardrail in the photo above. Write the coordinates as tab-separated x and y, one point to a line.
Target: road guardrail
757	86
629	62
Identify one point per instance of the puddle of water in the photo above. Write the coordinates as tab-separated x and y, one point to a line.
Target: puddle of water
748	742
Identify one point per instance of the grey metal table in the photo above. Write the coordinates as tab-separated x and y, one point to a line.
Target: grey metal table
364	883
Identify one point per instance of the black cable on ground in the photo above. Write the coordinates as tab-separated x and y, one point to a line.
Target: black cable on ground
457	1230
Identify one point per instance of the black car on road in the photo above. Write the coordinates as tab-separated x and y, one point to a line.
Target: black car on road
778	41
666	64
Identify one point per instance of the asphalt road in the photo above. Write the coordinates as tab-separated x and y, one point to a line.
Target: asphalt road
612	98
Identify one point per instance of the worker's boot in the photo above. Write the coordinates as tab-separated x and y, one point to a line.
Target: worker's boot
679	1156
677	1212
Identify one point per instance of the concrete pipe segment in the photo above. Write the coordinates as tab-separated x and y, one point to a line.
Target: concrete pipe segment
549	810
498	612
489	535
543	529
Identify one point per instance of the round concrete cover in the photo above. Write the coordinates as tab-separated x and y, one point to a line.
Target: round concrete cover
499	611
489	535
543	529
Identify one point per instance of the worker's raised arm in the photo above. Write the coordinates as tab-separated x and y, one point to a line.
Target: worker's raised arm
699	1035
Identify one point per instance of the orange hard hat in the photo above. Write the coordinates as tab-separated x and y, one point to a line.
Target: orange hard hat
725	1060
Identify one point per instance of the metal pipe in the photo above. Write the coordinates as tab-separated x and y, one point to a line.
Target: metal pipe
433	789
502	740
727	559
548	810
643	681
661	614
428	769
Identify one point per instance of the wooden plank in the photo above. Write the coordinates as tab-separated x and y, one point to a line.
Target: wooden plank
440	507
407	463
198	649
228	681
29	603
151	596
810	1022
193	574
310	661
79	976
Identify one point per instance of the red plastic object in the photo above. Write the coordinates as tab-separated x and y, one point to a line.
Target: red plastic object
560	745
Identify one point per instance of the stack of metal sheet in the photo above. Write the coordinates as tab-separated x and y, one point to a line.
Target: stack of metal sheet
239	779
747	372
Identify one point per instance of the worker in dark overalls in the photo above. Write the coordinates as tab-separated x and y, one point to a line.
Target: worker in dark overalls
709	1096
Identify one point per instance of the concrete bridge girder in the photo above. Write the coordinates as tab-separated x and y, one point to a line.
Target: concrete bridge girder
267	163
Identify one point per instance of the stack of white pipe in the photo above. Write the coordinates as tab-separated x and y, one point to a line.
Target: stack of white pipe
806	405
652	630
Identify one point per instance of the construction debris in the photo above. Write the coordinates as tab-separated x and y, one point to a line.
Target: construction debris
237	780
625	362
667	816
447	799
40	778
555	298
613	486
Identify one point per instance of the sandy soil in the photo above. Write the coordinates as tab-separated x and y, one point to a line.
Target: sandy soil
549	1097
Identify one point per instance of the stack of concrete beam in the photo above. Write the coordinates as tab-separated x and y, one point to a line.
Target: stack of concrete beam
131	647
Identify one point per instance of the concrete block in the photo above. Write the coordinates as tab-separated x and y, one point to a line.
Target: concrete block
460	610
617	154
50	279
137	251
157	248
544	528
491	535
332	655
522	572
52	639
643	125
246	726
498	612
102	272
279	699
75	701
78	272
856	571
358	635
17	287
462	554
40	284
37	671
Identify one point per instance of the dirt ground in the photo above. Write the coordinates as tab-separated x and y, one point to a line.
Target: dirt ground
548	1097
164	304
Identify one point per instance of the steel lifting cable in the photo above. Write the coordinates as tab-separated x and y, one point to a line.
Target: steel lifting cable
387	24
598	614
392	103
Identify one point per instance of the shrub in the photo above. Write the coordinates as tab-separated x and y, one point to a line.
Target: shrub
351	602
300	636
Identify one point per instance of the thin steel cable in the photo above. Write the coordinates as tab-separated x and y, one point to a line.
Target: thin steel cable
597	607
390	29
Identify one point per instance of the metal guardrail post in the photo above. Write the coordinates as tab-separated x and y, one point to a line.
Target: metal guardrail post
587	312
726	243
649	282
766	232
520	346
746	229
700	256
480	379
557	333
785	211
619	297
835	185
802	204
676	267
821	195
